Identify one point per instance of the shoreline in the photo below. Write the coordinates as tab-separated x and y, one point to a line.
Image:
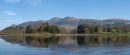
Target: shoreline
63	34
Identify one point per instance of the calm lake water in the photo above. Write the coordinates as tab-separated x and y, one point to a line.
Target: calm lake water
65	45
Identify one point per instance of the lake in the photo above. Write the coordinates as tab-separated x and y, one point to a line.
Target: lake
65	45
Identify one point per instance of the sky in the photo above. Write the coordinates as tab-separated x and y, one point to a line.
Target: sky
18	11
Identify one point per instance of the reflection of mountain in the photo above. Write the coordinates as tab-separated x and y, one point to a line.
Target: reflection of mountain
41	42
69	42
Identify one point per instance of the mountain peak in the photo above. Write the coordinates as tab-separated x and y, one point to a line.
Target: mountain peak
68	17
56	18
13	25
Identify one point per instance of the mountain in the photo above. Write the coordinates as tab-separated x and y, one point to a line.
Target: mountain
13	25
115	20
71	23
54	21
67	21
91	22
35	24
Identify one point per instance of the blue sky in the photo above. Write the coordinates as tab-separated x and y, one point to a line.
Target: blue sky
18	11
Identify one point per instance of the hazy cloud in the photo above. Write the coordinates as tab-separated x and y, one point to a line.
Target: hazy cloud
33	2
12	1
10	13
29	2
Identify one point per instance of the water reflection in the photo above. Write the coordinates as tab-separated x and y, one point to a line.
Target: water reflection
70	42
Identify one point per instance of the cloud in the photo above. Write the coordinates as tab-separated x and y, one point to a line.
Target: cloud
29	2
12	1
33	2
10	13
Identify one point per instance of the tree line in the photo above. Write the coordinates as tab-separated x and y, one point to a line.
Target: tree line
92	29
45	27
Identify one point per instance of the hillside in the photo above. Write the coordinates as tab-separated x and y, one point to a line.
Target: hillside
71	23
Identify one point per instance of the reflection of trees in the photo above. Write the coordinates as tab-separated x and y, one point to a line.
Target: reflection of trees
41	42
81	40
97	41
14	39
89	40
70	41
34	41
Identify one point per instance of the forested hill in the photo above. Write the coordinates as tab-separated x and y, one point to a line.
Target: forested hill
68	25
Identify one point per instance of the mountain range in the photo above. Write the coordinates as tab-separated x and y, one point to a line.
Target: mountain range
72	22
